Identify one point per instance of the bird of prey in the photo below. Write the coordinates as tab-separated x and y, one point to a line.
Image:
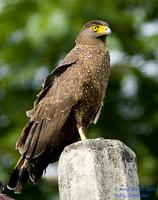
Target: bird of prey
71	99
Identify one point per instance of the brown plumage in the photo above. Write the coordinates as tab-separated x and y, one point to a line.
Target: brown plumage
71	98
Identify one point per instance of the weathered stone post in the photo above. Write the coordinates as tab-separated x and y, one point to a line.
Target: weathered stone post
98	169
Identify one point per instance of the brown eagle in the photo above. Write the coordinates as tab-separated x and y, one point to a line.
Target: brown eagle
71	98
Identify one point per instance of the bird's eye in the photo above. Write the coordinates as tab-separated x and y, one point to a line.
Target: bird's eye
94	28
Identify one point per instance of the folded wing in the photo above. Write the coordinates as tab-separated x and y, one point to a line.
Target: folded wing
50	112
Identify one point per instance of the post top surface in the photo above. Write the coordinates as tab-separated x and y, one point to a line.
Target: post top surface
100	144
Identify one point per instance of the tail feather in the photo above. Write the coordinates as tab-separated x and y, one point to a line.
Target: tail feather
19	177
15	175
39	165
13	179
26	168
22	180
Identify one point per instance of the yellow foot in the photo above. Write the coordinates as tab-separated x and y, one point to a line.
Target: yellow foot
81	132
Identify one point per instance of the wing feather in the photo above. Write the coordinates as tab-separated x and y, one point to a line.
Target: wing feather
50	112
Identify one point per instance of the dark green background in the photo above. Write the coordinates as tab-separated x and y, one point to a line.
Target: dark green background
36	34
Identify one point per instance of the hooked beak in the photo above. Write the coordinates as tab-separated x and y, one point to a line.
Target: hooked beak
108	30
104	30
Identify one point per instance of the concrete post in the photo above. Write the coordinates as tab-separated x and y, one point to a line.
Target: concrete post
98	169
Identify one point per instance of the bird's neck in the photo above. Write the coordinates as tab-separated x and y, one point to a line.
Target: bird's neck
100	42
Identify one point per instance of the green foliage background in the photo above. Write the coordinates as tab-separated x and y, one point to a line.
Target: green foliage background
35	35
